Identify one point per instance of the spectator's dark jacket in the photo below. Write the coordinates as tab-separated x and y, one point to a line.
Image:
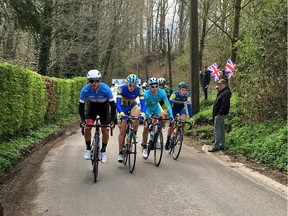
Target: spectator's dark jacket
222	103
205	76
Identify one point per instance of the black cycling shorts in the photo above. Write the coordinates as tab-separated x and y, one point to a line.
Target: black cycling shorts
101	109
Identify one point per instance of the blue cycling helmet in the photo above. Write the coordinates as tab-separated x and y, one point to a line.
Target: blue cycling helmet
183	85
132	79
153	81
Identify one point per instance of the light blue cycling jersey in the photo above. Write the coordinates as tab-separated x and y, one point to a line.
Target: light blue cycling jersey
102	94
152	102
126	100
178	103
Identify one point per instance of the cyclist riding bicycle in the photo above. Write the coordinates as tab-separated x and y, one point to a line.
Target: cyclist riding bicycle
126	103
152	98
98	97
180	101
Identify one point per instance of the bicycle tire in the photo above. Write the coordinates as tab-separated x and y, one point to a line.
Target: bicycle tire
132	152
177	144
95	160
171	146
158	148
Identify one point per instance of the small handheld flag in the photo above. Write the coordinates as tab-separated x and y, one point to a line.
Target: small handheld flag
230	68
214	72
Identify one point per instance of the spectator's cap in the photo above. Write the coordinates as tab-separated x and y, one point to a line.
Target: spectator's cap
222	81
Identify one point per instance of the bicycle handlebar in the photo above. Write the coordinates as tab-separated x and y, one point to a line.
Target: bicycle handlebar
125	117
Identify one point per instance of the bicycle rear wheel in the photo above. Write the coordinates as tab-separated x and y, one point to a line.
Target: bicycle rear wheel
95	160
132	152
158	148
177	144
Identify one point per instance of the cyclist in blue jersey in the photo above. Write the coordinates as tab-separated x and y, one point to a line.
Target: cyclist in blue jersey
126	105
180	101
99	99
152	98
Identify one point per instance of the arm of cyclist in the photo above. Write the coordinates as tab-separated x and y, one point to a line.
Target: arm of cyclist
190	111
169	108
113	113
81	111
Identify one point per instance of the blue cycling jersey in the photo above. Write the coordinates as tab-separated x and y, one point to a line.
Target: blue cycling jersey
102	94
125	98
152	100
178	102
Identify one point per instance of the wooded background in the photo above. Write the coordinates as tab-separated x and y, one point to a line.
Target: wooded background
66	38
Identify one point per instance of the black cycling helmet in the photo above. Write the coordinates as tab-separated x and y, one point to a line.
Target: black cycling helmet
183	85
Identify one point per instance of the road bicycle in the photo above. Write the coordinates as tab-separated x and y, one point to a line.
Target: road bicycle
95	146
130	147
156	140
175	144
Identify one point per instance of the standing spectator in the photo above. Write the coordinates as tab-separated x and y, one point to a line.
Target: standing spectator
205	79
220	110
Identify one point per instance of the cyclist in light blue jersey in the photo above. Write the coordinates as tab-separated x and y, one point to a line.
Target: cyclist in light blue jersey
100	102
126	105
180	101
152	98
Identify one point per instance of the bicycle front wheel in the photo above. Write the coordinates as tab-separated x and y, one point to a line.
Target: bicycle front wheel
95	160
177	144
132	152
158	148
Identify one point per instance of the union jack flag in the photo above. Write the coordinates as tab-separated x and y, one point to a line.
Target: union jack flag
215	72
229	69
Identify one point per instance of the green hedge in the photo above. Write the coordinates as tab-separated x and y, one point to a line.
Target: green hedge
27	100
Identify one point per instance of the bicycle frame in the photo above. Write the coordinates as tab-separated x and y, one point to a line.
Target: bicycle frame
129	145
95	146
157	142
177	137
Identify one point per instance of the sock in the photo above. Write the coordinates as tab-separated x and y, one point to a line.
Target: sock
168	138
103	149
135	132
88	145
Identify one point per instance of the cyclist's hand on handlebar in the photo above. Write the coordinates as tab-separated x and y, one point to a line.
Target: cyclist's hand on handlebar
191	121
171	118
82	123
121	114
142	116
112	124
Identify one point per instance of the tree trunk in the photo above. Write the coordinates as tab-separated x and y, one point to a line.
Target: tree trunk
45	38
236	29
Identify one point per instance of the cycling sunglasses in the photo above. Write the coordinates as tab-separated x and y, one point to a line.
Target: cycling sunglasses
154	86
92	80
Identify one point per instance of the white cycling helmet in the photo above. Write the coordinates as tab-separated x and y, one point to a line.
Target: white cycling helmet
93	74
153	81
132	79
162	81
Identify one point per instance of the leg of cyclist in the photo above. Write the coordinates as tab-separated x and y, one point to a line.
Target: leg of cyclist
174	111
135	111
87	135
121	140
169	132
90	119
105	120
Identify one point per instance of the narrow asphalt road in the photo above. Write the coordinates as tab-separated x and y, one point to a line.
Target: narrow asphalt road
195	184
